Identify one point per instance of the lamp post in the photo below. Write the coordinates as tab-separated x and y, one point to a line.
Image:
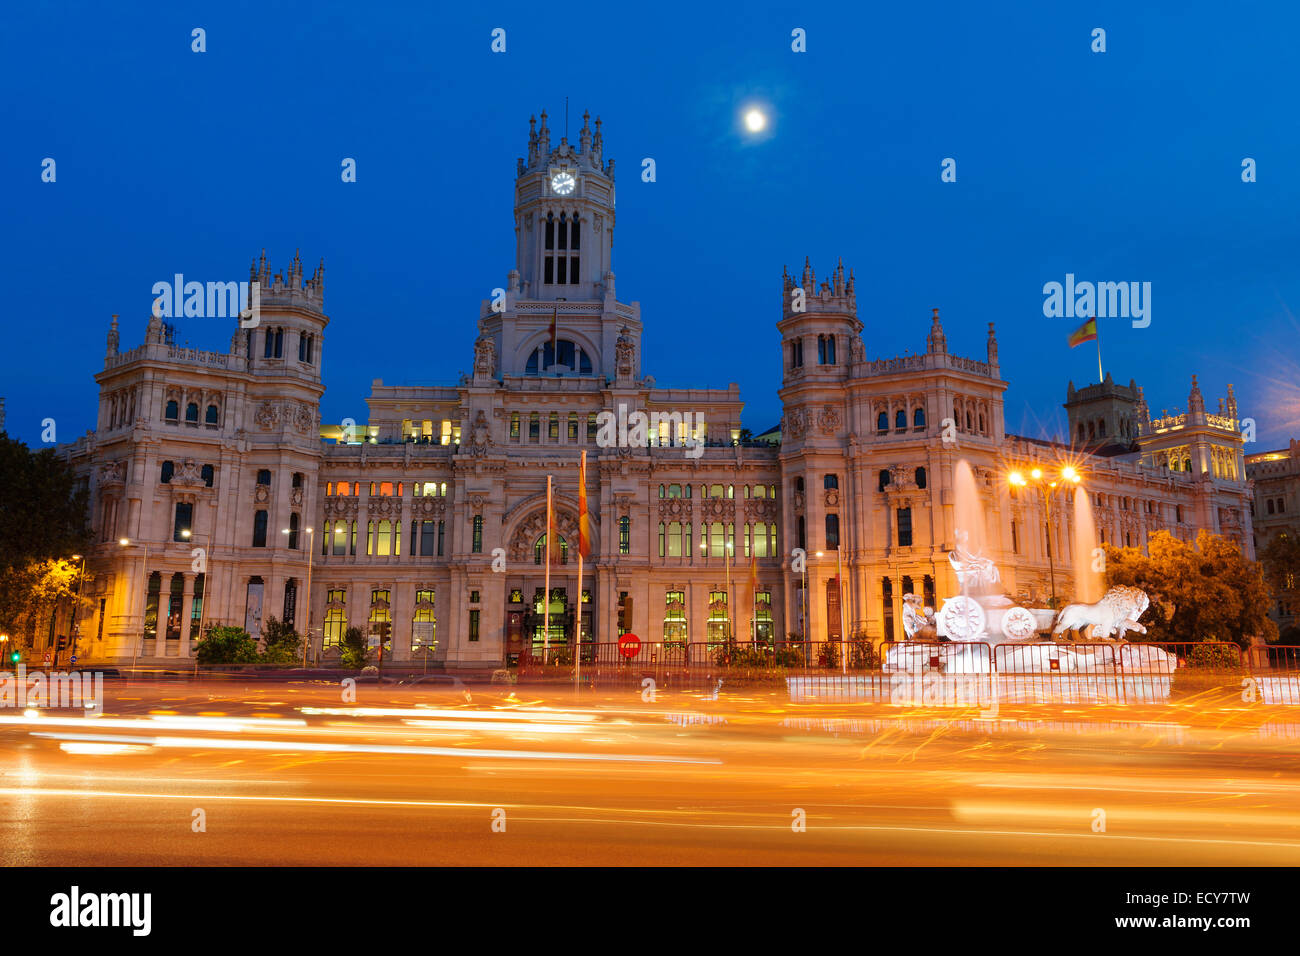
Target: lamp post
306	631
135	649
187	534
727	555
1047	486
76	607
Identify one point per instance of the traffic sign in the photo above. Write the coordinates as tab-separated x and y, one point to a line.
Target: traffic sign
74	658
47	657
629	645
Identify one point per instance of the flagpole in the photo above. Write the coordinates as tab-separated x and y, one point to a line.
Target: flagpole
1100	377
546	597
577	625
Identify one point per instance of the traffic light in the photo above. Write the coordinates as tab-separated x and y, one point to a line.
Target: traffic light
15	657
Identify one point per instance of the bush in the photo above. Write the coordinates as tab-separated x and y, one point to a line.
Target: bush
1219	657
283	644
227	645
352	654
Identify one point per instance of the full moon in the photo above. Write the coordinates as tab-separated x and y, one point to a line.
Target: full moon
755	120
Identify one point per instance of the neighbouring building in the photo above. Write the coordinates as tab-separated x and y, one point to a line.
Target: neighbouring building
1275	481
217	494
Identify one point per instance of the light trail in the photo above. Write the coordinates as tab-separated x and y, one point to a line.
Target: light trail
218	743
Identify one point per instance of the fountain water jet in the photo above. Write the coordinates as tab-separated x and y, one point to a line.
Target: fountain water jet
1089	584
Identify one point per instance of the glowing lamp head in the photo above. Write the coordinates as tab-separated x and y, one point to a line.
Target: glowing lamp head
1016	478
1070	474
1036	474
124	541
755	121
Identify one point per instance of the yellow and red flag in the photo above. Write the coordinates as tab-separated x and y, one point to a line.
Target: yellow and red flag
584	523
753	574
1084	333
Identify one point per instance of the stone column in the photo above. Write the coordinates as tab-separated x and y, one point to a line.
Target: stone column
187	612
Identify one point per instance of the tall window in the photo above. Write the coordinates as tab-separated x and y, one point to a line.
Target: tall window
832	531
918	418
560	265
336	618
293	531
920	477
184	518
904	527
477	546
423	623
553	427
900	419
591	428
831	481
473	626
675	617
173	411
514	425
169	469
882	423
259	529
192	413
263	477
534	427
625	535
207	474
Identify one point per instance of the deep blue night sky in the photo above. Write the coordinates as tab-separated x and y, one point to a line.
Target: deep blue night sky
1119	166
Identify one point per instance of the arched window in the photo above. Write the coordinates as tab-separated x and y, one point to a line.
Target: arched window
1270	500
798	484
264	477
211	417
476	545
831	481
882	422
900	418
918	418
982	428
192	413
624	535
885	479
920	477
173	411
539	551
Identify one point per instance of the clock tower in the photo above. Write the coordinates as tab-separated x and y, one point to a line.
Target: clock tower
564	238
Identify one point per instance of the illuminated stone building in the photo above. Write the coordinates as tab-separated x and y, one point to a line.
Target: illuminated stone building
1275	482
429	516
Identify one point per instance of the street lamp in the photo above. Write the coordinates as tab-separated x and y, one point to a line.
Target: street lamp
135	649
76	608
187	534
306	631
1047	486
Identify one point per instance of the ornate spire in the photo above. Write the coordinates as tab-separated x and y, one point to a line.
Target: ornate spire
838	277
993	346
532	140
544	140
584	138
112	336
1143	412
597	144
1232	402
936	342
809	279
1195	401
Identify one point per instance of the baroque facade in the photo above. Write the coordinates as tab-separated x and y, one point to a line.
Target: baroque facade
216	492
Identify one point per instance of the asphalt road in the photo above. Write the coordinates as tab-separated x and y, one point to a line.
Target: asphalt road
290	773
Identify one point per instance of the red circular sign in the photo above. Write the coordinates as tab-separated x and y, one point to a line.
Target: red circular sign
629	645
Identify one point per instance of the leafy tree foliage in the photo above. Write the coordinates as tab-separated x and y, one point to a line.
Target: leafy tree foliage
1202	592
227	645
353	652
283	644
42	520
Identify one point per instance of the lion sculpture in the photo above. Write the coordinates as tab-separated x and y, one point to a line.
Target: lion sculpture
1110	618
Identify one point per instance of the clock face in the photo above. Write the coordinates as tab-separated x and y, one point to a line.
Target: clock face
562	183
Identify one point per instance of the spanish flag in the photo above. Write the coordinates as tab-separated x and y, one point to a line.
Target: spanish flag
753	575
584	523
1084	333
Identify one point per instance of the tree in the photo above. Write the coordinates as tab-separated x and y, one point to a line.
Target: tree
353	653
283	644
227	645
1202	592
42	519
